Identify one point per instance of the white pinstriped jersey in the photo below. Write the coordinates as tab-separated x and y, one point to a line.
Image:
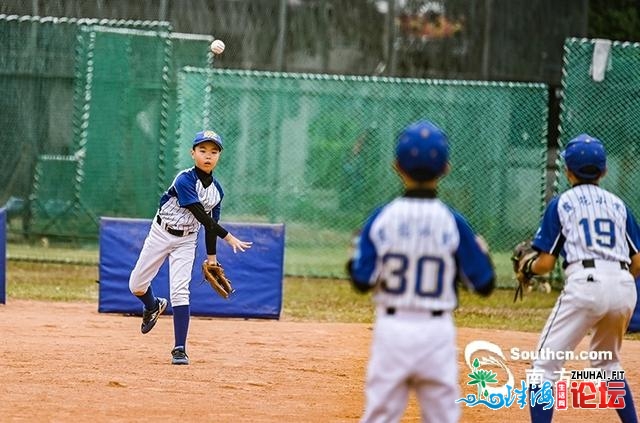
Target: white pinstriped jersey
588	222
187	189
417	246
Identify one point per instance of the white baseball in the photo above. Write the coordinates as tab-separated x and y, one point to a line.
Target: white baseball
217	46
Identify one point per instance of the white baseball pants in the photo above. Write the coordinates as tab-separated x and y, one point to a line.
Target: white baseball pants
159	245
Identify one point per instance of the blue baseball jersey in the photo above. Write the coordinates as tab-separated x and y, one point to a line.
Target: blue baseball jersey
187	189
416	247
588	222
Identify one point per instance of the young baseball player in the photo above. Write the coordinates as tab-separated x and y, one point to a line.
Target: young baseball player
598	237
193	199
411	251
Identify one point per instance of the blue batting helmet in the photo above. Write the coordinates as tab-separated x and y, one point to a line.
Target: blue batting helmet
422	151
585	156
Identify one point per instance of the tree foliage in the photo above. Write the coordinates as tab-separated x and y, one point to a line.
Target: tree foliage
615	20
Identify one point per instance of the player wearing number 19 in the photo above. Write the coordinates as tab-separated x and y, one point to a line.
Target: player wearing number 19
412	251
599	239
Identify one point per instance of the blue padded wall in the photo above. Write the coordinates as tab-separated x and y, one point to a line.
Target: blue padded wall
3	256
256	274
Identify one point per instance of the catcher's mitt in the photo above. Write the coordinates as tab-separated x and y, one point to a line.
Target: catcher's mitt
214	274
522	257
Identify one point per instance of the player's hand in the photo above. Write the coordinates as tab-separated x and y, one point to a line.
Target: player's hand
237	244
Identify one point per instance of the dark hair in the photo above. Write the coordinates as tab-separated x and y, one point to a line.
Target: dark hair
589	172
422	175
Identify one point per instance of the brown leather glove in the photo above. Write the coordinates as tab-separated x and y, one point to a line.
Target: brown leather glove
214	274
522	257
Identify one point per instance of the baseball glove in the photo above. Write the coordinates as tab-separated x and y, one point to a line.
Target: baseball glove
522	257
214	274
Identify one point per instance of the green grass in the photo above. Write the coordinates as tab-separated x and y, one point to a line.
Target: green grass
46	252
305	299
335	300
327	300
330	262
317	299
51	281
320	255
500	312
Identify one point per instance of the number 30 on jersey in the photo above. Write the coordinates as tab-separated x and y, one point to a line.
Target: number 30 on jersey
426	280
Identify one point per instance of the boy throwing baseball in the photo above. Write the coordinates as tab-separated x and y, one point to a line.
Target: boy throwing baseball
193	199
412	251
599	239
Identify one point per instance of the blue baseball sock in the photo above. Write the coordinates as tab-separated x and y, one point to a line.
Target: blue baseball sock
537	412
628	413
148	299
181	315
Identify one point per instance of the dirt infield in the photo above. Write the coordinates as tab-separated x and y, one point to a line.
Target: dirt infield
67	362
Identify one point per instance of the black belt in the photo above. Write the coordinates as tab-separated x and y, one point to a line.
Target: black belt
174	232
591	264
435	313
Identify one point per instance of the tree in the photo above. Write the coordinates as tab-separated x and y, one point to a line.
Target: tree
615	20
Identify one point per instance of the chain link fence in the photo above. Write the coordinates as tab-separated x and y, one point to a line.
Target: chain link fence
104	99
607	109
38	85
102	129
315	151
37	67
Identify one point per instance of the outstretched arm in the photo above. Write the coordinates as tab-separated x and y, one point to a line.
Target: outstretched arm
236	243
544	263
211	226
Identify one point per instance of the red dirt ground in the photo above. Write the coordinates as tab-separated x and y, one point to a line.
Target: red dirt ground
67	362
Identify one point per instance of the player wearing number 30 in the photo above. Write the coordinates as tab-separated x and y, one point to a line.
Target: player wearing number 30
598	237
412	251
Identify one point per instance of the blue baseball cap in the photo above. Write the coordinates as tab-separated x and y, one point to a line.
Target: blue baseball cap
422	151
585	156
203	136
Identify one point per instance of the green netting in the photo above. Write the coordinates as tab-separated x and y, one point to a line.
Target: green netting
36	90
312	151
315	152
53	198
127	97
124	115
609	110
188	49
193	114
